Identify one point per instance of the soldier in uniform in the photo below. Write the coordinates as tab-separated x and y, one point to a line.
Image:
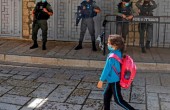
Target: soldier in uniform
146	9
89	10
41	14
124	14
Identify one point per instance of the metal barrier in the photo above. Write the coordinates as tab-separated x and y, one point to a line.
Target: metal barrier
161	31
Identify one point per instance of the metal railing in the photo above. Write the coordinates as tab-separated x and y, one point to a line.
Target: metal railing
161	31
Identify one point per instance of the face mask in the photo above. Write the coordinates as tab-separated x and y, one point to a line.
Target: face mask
44	1
110	48
126	4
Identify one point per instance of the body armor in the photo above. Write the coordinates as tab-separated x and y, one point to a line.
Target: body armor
124	10
146	11
39	13
89	9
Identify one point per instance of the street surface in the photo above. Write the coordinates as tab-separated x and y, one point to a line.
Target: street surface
42	87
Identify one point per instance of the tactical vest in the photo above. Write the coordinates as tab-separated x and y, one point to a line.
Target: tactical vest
39	13
124	10
146	11
89	11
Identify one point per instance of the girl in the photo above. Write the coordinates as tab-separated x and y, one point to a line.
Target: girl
115	45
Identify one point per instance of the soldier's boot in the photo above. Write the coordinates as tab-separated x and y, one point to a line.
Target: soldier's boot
79	46
143	50
147	44
44	46
35	45
94	46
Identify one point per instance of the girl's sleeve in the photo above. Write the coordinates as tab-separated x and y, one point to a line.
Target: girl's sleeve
106	70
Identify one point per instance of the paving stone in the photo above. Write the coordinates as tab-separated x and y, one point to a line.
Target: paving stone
48	74
88	85
165	105
33	103
139	80
21	83
96	95
152	101
78	96
4	106
90	78
26	70
153	79
58	81
62	76
33	76
61	93
115	106
5	71
77	77
2	79
58	106
26	73
92	104
157	89
74	71
20	77
164	97
138	106
21	91
165	79
126	94
14	99
4	89
13	72
138	94
43	91
26	108
5	75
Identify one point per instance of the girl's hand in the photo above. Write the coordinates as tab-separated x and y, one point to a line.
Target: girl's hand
100	84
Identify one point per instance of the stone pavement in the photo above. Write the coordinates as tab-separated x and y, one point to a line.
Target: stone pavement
63	54
44	87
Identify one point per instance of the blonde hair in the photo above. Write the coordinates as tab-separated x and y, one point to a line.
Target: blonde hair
116	40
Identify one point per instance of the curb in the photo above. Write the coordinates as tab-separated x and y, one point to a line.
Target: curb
76	62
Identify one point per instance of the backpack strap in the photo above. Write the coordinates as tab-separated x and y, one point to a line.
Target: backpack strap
112	55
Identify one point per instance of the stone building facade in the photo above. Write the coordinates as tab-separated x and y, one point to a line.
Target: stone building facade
27	6
62	24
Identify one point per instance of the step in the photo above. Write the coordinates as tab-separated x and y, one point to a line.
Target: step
76	62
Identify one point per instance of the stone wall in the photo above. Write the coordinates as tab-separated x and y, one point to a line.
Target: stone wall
28	6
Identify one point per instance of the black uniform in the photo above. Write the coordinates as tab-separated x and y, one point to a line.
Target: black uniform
146	10
87	12
40	21
122	23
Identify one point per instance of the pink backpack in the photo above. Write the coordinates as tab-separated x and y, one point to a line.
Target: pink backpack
128	70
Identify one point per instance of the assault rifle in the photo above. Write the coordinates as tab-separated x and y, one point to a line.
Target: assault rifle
78	15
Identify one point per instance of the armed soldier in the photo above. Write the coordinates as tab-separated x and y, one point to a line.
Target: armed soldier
88	11
146	9
41	14
124	14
